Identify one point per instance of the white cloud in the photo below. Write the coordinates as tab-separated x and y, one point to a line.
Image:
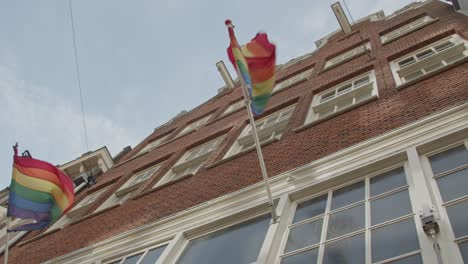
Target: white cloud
48	125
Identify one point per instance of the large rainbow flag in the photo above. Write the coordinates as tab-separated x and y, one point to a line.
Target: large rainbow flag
38	191
255	63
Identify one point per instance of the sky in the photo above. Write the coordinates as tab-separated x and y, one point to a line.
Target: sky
141	62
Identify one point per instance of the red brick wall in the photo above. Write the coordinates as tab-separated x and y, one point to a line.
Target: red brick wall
393	109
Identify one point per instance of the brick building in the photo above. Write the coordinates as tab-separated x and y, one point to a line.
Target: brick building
361	137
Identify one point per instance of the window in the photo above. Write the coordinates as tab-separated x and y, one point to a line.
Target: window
343	96
127	190
349	55
191	162
450	174
195	125
234	107
298	78
406	29
147	256
240	243
334	226
85	203
152	145
269	127
429	59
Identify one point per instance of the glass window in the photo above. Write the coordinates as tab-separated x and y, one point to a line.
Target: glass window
239	244
384	209
394	240
348	195
449	159
458	218
311	208
453	185
304	235
349	250
361	49
387	181
344	212
309	257
149	256
405	29
435	56
343	96
346	221
415	259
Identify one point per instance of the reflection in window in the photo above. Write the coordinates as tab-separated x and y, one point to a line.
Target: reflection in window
335	222
239	244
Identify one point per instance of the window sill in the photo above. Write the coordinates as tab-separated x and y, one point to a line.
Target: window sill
214	164
448	67
315	122
161	186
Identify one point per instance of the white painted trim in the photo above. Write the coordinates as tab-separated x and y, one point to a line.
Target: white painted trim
250	198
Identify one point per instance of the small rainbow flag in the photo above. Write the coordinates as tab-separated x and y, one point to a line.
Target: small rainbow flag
38	191
255	62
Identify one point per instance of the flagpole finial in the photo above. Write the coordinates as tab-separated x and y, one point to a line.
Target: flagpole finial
15	148
228	23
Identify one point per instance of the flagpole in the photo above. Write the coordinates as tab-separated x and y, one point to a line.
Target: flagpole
5	256
248	101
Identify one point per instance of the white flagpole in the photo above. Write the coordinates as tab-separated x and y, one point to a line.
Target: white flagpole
5	255
259	149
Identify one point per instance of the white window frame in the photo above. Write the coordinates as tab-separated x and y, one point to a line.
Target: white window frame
234	107
406	29
343	92
266	131
84	204
446	229
347	56
291	81
412	64
145	251
191	161
368	227
127	190
195	125
153	144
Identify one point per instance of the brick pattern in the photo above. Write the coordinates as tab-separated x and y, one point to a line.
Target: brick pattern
393	109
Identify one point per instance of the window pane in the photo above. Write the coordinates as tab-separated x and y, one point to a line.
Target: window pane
346	221
406	62
387	181
133	259
415	259
384	209
327	96
443	46
449	159
344	89
348	195
464	251
454	185
153	255
306	257
361	81
458	213
344	104
239	244
394	240
311	208
425	54
350	251
304	235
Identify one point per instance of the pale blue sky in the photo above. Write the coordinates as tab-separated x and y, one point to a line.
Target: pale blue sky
141	63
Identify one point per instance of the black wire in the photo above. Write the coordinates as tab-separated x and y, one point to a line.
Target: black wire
78	74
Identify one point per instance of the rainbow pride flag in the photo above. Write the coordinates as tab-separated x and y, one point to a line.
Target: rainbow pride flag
38	191
255	63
